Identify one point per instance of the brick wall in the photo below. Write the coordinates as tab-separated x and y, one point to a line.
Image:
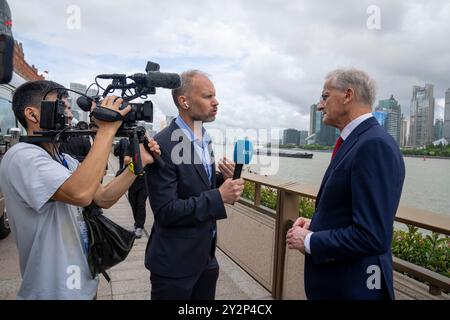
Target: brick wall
21	67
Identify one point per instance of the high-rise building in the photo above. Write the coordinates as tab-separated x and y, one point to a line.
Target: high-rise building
404	132
438	129
315	120
302	137
422	116
291	136
318	132
447	115
81	115
315	124
327	135
388	113
381	117
312	116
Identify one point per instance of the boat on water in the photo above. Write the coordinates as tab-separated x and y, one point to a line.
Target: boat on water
287	154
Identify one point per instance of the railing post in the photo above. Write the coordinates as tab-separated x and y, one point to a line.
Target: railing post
257	194
435	291
287	210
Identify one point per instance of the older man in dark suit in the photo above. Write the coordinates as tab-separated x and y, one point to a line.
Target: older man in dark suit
347	244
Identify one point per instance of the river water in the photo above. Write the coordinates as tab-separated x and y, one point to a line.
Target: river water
427	182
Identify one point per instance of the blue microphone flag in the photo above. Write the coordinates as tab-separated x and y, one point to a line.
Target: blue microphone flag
243	152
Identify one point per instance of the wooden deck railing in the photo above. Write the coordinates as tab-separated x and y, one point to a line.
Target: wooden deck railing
287	211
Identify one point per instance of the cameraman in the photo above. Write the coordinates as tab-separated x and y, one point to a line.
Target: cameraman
44	191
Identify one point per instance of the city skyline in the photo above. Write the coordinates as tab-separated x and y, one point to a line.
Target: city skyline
387	111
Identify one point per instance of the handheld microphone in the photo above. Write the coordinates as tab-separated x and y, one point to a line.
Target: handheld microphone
243	154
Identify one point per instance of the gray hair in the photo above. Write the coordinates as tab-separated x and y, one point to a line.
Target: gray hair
186	84
364	86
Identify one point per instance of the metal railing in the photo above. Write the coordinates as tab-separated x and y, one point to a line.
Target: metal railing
287	211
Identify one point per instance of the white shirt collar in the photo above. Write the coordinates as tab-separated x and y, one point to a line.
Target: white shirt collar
353	124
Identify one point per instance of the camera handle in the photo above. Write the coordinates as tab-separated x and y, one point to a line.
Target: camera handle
105	114
160	162
137	137
142	138
136	153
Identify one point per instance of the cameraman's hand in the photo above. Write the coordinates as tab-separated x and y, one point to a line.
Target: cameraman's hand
145	156
231	190
113	103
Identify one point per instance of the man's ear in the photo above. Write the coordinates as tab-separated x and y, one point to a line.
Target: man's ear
31	114
349	95
182	102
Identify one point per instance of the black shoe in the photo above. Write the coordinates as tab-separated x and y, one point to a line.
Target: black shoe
4	227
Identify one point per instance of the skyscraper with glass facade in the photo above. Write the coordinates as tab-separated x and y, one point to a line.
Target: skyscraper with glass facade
422	116
447	115
388	113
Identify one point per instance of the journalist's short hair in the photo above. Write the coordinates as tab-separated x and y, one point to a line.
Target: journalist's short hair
186	84
31	94
361	82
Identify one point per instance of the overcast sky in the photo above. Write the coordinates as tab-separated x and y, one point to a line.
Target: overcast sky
267	58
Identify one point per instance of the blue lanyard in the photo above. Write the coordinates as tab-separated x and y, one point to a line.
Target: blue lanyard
64	161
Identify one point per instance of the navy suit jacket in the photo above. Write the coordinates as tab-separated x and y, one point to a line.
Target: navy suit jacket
353	222
185	204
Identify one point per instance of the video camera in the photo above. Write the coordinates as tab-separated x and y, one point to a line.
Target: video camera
55	122
141	86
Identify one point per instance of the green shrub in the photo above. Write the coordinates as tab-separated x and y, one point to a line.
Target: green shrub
429	251
249	191
269	197
306	207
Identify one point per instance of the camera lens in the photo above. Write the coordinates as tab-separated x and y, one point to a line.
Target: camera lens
140	112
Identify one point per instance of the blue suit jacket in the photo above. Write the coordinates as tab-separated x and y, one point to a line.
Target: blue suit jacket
354	217
185	205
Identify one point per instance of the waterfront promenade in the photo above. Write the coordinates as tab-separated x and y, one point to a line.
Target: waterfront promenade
130	279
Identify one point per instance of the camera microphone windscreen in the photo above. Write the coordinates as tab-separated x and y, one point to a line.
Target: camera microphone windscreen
242	154
84	103
163	80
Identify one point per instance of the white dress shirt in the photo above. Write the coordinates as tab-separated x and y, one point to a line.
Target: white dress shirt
344	135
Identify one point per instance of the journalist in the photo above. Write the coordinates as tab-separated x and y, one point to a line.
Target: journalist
45	191
188	197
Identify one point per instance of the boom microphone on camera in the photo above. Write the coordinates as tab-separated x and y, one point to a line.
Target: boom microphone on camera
158	79
85	103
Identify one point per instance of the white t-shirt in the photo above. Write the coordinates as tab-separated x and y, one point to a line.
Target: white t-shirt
52	258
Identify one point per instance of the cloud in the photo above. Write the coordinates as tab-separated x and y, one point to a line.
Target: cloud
267	58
